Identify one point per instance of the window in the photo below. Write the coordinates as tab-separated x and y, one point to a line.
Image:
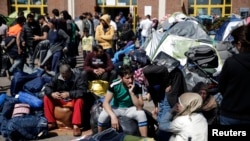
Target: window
216	1
228	2
227	10
22	1
216	11
127	2
202	11
210	7
191	2
201	2
191	10
134	2
39	6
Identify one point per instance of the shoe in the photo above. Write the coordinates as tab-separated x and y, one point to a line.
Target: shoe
52	126
77	132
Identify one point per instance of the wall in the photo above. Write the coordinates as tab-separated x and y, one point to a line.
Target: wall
142	3
4	7
58	4
84	6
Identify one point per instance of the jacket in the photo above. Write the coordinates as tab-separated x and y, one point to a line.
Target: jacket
91	62
28	32
104	37
77	85
234	87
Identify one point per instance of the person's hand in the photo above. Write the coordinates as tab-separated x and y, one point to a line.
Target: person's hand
101	71
23	44
56	95
65	49
36	37
19	51
115	122
64	95
155	112
96	71
131	87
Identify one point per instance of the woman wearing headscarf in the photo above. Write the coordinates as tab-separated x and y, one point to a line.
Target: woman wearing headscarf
185	122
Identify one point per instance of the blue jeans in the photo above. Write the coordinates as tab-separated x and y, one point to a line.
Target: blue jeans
164	107
55	61
17	66
110	52
232	121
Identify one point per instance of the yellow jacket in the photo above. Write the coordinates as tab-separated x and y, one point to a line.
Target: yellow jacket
105	38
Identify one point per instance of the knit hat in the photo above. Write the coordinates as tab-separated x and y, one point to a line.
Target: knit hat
191	102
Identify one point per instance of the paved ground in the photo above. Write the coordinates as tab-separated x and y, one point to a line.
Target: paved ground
60	134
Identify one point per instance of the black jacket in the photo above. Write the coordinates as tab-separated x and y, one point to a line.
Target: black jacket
77	85
28	32
234	87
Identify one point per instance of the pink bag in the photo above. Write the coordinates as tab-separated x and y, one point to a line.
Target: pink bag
21	109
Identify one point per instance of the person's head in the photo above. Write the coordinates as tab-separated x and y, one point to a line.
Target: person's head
105	20
53	23
41	19
30	18
20	14
65	15
148	16
55	12
81	17
117	19
202	89
98	50
20	20
188	103
89	16
126	73
86	31
65	71
241	37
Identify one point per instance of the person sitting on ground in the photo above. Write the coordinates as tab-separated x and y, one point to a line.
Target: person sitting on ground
185	122
98	65
65	89
126	100
210	105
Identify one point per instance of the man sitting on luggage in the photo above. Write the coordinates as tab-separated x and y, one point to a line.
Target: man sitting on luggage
65	89
98	65
126	100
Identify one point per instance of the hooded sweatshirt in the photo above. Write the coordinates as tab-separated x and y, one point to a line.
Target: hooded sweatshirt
104	35
234	87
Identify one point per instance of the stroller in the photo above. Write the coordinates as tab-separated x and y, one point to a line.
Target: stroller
201	65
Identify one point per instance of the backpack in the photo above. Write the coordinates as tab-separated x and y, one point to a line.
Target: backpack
203	56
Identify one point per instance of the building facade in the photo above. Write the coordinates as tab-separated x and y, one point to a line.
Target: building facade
156	8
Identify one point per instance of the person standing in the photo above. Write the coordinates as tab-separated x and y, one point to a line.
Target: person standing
146	28
87	42
234	79
29	30
105	33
